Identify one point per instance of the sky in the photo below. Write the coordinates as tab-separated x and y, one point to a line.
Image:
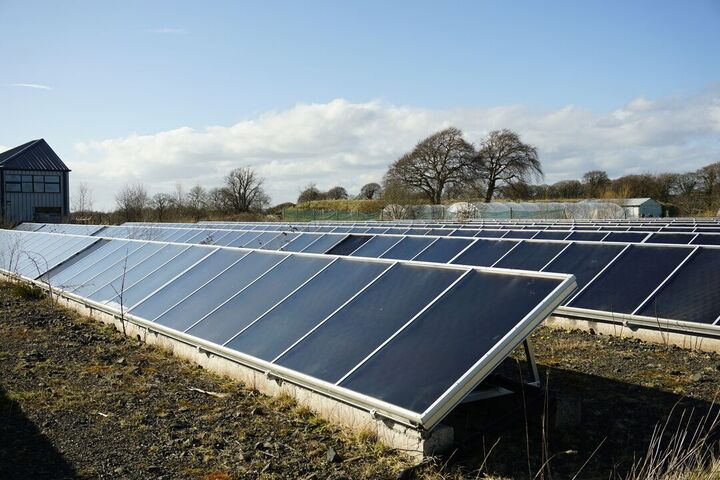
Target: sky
164	92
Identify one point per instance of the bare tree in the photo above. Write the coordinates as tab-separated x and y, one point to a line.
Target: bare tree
83	199
179	196
370	191
245	190
197	201
434	164
503	158
161	202
596	183
218	199
131	201
337	193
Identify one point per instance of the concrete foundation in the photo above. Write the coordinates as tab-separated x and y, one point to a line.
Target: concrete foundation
415	443
647	334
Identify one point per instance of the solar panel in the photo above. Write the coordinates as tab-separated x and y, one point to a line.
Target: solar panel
638	274
692	294
320	315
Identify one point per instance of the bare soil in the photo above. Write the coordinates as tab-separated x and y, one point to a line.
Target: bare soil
79	400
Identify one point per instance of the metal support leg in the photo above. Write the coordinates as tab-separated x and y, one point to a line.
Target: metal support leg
530	355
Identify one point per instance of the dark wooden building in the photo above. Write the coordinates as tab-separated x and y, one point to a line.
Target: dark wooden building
34	185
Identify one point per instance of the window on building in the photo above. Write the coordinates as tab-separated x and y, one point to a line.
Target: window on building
32	183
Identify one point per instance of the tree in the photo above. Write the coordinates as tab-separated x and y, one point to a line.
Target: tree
567	189
131	200
337	193
245	190
161	202
83	199
596	183
435	163
218	199
310	193
503	158
370	191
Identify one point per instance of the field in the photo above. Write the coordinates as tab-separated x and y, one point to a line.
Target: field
79	400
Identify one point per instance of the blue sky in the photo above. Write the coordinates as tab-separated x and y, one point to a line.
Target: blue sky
125	75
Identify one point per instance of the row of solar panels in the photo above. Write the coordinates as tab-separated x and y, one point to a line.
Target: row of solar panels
406	339
714	222
436	230
602	236
644	280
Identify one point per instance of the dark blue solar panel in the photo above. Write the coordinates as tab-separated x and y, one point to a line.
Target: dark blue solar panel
443	250
441	345
490	233
584	260
677	238
375	247
630	279
587	236
547	235
237	313
706	239
530	255
484	252
363	324
520	234
693	293
296	316
349	245
625	237
407	248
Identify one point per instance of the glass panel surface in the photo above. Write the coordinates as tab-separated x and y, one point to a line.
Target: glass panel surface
128	261
243	239
520	234
530	255
95	262
349	245
625	237
484	253
280	242
676	238
186	283
261	240
706	239
183	315
300	242
693	293
141	289
225	322
424	360
587	236
443	250
120	284
362	325
293	318
375	247
490	233
584	260
546	235
408	248
630	279
324	244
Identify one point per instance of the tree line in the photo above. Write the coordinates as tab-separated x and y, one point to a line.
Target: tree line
443	167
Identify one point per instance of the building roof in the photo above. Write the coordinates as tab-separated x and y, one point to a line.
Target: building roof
33	155
631	202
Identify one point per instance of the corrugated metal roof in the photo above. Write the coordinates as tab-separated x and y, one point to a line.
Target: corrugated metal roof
34	155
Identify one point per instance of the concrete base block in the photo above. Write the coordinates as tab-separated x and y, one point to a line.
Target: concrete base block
413	442
691	342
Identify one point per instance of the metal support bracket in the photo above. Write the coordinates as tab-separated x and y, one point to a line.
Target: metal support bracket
530	356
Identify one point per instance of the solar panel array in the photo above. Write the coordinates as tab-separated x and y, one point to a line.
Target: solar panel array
647	282
406	339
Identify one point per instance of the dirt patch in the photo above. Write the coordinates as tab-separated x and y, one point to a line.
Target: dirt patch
79	400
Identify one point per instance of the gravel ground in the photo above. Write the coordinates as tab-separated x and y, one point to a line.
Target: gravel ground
79	400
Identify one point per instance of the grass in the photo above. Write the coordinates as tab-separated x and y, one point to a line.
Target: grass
26	291
364	206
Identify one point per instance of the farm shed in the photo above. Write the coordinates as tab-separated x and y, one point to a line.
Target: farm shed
640	207
34	184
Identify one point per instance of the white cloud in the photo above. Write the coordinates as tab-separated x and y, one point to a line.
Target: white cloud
168	31
349	144
36	86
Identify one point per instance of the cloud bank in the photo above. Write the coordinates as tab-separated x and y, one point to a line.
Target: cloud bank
350	144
